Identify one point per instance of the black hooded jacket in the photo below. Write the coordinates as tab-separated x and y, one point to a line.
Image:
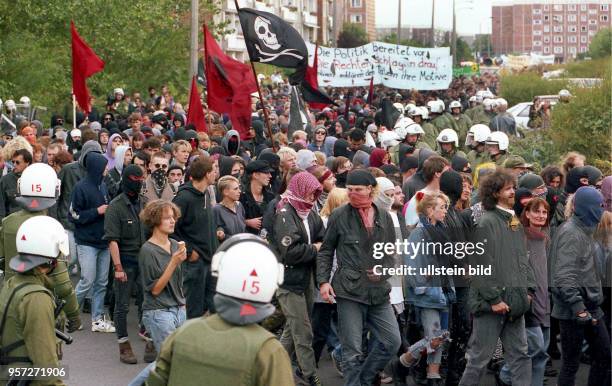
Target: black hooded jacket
196	226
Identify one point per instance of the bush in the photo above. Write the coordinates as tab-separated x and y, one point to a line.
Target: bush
524	87
596	68
583	125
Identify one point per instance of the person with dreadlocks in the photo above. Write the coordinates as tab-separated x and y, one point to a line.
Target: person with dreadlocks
298	234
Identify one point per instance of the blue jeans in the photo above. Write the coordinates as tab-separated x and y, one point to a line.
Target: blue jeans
434	321
141	378
162	322
381	322
94	263
538	339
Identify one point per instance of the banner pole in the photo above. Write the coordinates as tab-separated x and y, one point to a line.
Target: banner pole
73	111
263	105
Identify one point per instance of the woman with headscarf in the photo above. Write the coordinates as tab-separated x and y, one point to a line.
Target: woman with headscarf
113	178
298	235
378	158
111	147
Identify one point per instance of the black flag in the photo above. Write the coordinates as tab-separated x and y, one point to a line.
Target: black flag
314	95
270	39
390	114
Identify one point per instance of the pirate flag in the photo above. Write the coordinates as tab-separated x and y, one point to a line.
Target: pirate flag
270	39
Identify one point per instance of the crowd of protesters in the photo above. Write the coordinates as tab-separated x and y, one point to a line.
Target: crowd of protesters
146	201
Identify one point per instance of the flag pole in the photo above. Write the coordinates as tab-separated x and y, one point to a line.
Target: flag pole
73	111
263	105
208	114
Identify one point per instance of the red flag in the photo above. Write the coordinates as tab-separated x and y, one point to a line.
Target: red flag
371	91
195	114
311	79
229	85
85	63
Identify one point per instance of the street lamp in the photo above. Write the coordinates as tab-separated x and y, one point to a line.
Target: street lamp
467	4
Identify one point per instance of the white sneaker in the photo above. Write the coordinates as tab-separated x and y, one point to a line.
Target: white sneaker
102	325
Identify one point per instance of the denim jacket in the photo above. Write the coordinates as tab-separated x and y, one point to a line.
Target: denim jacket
422	290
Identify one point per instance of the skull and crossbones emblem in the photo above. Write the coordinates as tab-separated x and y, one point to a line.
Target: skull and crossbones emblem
263	30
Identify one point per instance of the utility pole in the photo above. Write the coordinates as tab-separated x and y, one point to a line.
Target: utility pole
193	50
399	21
454	37
433	12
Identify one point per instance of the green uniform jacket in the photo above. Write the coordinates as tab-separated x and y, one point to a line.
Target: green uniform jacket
505	250
30	316
449	156
463	125
451	121
59	279
478	115
431	135
476	158
210	351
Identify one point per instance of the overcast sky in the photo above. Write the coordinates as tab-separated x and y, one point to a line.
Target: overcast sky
473	16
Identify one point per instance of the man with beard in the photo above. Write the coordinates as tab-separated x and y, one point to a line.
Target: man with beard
500	299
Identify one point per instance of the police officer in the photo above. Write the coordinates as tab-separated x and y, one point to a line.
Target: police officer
27	305
420	115
38	189
229	347
462	120
410	134
475	141
448	144
438	118
497	146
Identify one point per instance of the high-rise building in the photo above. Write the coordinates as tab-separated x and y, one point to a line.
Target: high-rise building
361	12
563	28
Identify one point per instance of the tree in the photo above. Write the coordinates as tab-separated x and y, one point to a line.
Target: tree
392	38
600	45
352	35
464	53
143	44
482	43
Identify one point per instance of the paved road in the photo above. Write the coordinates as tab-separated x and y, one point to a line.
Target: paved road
93	359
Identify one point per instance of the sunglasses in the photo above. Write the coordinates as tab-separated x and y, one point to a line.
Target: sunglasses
161	166
320	132
17	162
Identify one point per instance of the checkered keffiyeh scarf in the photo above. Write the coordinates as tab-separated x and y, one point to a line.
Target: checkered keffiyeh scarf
300	187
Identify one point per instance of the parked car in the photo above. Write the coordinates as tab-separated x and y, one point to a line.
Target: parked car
520	111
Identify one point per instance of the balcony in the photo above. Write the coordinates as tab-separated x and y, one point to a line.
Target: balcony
289	15
235	42
261	6
309	19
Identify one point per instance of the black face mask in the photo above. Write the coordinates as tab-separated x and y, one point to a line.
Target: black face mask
236	175
131	181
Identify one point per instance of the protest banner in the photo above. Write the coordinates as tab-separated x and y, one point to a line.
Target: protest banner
395	66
